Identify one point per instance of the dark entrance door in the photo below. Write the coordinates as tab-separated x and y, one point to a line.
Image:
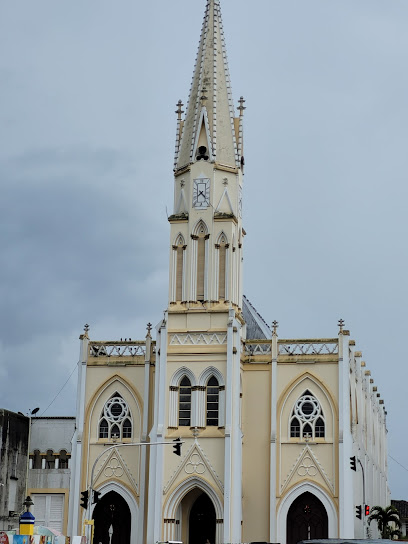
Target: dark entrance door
202	521
112	514
307	518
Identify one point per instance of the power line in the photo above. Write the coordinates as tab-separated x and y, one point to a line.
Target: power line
398	463
56	396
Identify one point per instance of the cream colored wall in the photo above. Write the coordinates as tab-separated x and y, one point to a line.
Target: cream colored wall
103	380
294	455
256	417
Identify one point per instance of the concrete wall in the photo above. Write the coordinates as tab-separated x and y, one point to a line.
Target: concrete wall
13	466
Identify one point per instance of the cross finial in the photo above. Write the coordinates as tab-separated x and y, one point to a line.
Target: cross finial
307	437
341	324
179	109
149	328
275	326
196	432
241	106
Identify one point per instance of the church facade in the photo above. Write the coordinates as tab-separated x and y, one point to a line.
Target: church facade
272	429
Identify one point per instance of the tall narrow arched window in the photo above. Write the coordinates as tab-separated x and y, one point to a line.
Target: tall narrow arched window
179	269
222	247
307	419
200	237
116	419
212	402
184	419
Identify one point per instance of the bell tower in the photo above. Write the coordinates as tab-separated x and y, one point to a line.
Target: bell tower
198	346
206	224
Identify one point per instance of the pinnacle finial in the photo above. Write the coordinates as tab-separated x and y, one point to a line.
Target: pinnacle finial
179	109
241	106
275	326
149	328
340	325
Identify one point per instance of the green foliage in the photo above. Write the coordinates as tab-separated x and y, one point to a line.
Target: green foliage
384	517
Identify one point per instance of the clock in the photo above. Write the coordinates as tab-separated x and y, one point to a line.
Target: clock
201	193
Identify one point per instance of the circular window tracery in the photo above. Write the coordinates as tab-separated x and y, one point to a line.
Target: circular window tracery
116	419
307	408
307	420
116	409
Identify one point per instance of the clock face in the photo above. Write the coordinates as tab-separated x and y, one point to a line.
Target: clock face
201	193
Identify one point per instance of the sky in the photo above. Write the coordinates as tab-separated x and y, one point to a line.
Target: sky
87	129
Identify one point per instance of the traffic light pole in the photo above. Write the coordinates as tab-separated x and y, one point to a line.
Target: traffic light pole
175	443
364	500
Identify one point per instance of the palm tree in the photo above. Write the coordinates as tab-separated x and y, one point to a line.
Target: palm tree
383	517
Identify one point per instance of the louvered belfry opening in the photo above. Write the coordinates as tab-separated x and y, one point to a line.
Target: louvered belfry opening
200	266
179	273
221	271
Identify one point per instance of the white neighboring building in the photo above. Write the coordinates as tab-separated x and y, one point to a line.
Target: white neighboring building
50	470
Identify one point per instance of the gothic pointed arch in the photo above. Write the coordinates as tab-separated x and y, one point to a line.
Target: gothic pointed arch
200	237
178	269
130	500
222	266
295	492
306	406
183	399
116	384
211	398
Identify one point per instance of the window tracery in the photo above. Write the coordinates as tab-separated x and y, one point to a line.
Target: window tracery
307	419
116	419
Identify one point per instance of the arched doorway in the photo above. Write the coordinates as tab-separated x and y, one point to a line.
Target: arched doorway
112	518
201	523
306	519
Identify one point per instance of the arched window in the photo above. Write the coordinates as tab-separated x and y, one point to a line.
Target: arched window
212	402
178	269
222	247
307	419
50	459
63	459
116	419
184	419
200	237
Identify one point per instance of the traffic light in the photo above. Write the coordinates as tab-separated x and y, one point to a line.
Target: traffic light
95	496
358	511
177	446
84	499
353	465
366	510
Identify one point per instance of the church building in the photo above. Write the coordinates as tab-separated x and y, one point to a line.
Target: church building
281	438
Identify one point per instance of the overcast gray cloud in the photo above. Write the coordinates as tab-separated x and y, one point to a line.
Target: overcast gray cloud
87	126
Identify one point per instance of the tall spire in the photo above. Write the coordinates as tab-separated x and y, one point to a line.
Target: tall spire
210	107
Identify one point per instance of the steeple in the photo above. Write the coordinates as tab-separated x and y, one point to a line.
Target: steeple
209	119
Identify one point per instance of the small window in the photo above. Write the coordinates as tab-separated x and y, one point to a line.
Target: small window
115	432
319	428
103	429
127	429
295	428
212	402
185	403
